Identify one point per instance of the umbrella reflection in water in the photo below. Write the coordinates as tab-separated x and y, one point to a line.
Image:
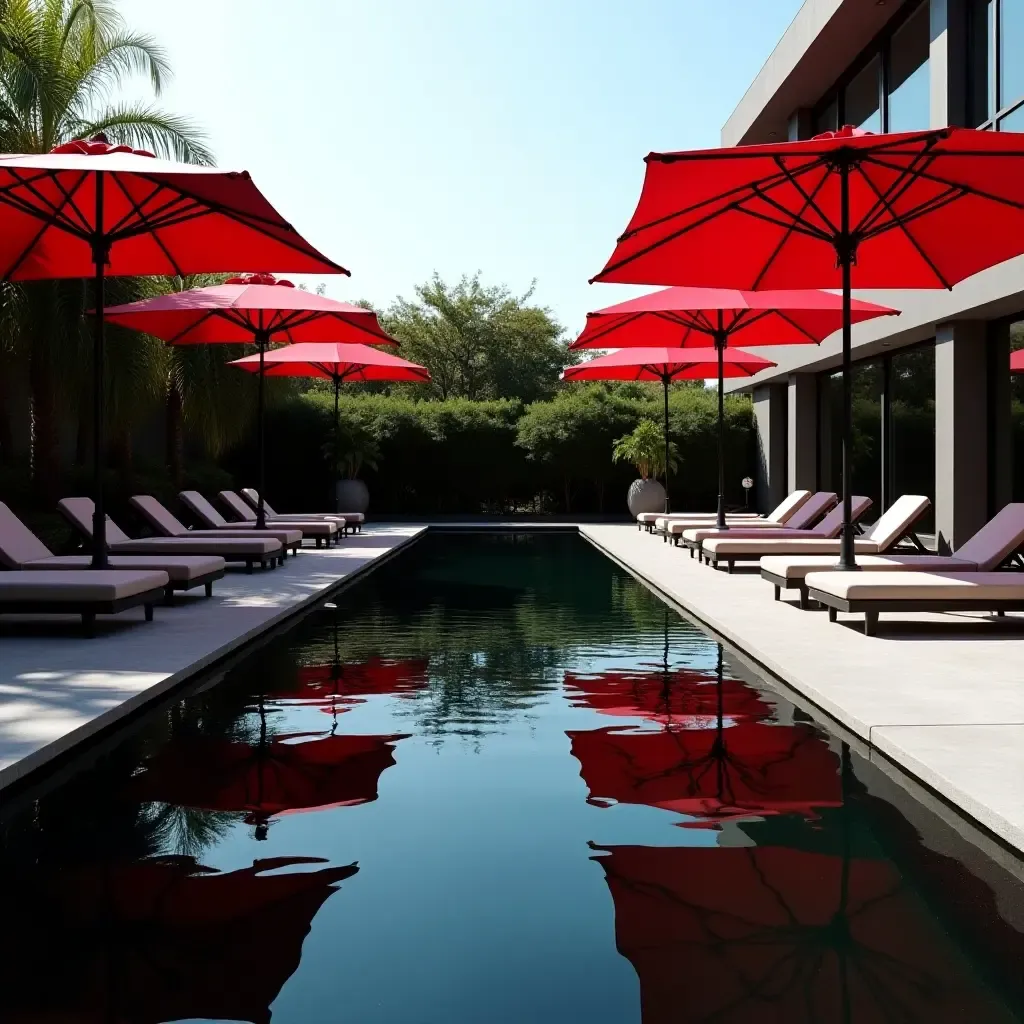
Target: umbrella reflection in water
157	940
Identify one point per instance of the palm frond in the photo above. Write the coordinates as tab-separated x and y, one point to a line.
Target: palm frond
144	127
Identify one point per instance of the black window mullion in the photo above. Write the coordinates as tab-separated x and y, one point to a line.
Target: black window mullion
884	77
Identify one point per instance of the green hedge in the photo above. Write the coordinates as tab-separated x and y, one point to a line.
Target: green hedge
458	456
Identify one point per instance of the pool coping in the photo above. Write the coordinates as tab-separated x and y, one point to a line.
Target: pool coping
88	738
1001	838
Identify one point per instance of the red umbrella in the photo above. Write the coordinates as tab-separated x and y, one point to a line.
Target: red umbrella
666	365
1017	361
158	940
271	778
733	934
845	209
337	362
681	699
253	308
92	209
693	317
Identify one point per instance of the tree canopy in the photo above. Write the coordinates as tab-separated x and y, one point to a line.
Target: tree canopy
479	341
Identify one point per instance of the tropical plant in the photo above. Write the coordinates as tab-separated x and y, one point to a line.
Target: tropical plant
351	448
62	66
644	448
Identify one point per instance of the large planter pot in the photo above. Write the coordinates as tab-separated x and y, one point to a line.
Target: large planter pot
352	496
645	496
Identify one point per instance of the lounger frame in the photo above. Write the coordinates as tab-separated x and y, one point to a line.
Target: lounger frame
87	609
872	608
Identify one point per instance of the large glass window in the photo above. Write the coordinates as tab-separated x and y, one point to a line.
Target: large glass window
908	74
995	80
883	467
912	380
1011	52
860	106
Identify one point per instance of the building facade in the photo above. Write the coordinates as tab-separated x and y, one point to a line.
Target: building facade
935	406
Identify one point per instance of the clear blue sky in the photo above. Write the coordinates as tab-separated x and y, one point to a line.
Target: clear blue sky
408	136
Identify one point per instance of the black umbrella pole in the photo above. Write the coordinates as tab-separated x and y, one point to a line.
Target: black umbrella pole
99	518
721	524
261	514
668	507
337	446
847	558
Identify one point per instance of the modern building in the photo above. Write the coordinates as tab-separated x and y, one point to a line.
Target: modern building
936	409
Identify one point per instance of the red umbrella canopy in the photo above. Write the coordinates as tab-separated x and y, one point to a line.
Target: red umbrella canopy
246	306
278	776
665	364
683	698
735	935
148	216
745	769
689	317
926	209
1017	361
334	361
159	940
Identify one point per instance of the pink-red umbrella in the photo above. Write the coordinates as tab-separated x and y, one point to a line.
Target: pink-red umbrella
92	209
667	365
842	210
333	361
1017	361
255	309
693	317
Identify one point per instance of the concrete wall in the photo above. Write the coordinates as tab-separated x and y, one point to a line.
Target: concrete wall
770	416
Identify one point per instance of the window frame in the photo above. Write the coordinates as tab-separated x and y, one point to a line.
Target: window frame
880	47
995	73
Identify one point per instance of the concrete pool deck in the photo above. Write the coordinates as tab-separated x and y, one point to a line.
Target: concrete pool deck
940	695
58	688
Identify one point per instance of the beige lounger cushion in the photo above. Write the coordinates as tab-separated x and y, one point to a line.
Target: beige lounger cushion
226	547
18	544
779	515
80	510
795	568
180	568
351	517
98	585
919	586
742	543
311	528
999	538
897	519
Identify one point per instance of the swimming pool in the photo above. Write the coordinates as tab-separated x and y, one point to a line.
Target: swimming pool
498	781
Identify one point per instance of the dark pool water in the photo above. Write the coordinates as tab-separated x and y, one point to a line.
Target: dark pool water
500	782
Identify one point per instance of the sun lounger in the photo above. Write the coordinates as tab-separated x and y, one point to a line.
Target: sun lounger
779	516
213	520
319	530
748	546
159	518
896	524
352	521
999	540
801	521
85	592
875	592
263	551
20	548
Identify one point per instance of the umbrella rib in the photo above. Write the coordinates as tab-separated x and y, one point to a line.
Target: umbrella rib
612	326
153	233
69	200
901	225
745	318
897	189
796	326
968	189
830	228
265	225
808	201
56	211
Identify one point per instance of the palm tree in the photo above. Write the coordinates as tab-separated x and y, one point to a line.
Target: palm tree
62	63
